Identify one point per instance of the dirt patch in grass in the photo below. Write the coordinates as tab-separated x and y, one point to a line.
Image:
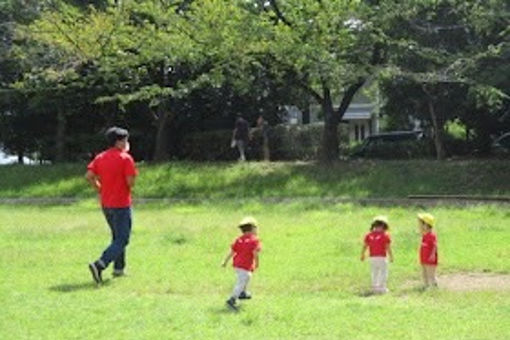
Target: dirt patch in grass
474	281
465	282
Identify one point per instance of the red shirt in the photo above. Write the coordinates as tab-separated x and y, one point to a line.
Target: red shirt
112	166
244	248
377	242
428	249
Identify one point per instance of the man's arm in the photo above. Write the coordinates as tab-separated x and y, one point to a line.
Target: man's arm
130	180
93	179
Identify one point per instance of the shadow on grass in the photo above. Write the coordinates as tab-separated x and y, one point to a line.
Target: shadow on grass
365	293
368	293
225	310
418	289
73	287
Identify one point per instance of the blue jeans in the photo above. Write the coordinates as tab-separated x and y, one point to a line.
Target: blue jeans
119	221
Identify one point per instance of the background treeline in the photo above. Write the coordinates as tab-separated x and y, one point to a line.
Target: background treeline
176	73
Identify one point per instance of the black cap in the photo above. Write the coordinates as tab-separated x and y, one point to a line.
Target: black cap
115	134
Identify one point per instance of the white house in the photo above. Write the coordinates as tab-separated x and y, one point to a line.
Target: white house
361	117
363	121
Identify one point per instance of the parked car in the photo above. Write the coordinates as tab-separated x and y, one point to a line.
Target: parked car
395	144
501	145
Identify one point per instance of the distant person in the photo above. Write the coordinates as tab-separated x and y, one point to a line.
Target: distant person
112	173
428	249
245	251
241	136
378	242
263	126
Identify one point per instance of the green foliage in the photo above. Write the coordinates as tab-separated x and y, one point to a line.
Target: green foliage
437	48
159	67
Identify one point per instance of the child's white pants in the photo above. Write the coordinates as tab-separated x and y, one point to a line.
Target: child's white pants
379	270
243	278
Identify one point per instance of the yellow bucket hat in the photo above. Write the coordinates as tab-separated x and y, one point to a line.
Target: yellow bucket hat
381	218
248	220
427	218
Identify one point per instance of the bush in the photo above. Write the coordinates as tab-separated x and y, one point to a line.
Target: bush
396	150
286	142
208	146
457	146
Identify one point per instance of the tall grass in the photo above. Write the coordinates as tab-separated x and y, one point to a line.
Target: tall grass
357	179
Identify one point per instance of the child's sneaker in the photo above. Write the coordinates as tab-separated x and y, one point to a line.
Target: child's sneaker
231	303
245	296
95	270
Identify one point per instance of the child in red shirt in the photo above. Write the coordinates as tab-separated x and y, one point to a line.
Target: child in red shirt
428	249
244	250
378	242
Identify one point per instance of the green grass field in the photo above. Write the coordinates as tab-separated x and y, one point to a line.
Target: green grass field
309	285
356	179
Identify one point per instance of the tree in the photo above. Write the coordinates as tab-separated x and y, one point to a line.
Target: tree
149	53
331	48
434	44
159	65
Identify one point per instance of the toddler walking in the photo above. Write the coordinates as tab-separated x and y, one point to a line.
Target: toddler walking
244	252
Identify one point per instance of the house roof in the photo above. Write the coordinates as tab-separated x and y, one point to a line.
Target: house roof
358	111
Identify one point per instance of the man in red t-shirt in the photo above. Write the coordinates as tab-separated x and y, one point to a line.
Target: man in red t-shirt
112	173
245	251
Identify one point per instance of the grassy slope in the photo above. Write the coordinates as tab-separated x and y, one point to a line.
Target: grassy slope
228	180
307	287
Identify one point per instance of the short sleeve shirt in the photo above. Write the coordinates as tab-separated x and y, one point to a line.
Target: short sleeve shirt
428	249
112	167
377	242
244	248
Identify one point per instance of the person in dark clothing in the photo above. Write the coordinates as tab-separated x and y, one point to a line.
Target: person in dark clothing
241	137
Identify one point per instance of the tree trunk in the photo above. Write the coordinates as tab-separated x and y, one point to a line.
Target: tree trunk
329	147
438	131
330	143
330	150
60	136
306	111
161	143
437	124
